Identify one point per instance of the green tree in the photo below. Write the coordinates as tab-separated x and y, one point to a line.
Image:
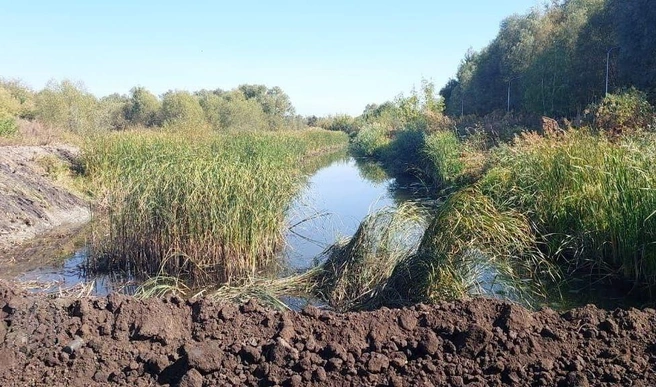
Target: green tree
236	112
636	30
181	108
143	108
21	93
112	110
69	106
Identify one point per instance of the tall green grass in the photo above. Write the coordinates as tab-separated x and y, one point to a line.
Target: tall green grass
593	200
198	206
442	152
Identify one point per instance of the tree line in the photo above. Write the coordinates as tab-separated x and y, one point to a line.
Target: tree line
68	105
555	59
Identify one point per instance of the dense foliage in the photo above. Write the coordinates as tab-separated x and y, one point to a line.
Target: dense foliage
68	106
553	59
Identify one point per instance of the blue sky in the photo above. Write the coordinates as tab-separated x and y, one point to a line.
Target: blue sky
330	56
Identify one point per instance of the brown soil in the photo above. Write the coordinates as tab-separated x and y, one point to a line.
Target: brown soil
120	340
32	204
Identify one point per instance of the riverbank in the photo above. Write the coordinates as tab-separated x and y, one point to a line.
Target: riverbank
124	341
33	203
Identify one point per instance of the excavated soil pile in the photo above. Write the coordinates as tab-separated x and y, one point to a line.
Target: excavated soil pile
123	341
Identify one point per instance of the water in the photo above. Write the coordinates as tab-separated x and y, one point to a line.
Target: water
71	273
338	196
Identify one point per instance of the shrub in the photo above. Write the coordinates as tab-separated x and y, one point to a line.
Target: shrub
370	141
625	112
68	106
142	108
181	109
8	126
403	154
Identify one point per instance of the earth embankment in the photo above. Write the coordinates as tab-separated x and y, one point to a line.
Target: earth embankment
121	340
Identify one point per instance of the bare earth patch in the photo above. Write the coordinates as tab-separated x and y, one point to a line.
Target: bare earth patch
32	204
120	340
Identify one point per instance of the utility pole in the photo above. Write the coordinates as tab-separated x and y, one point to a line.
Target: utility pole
608	64
509	84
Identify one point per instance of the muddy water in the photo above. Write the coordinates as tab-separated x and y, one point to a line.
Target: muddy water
336	199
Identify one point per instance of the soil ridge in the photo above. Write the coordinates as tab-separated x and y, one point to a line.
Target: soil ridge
124	341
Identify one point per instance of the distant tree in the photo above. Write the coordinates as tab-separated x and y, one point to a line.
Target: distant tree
69	106
181	108
311	120
636	31
21	93
236	112
274	102
143	108
112	109
9	110
10	106
211	104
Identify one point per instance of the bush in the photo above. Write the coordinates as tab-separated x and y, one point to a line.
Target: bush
625	112
180	108
68	106
7	126
142	108
404	151
343	123
370	141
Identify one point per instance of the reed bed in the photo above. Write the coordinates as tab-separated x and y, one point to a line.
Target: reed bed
515	213
593	200
203	207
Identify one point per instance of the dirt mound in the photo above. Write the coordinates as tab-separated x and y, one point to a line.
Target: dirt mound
31	203
124	341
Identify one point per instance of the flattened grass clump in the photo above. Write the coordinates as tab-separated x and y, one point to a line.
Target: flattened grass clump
470	247
593	200
356	270
200	207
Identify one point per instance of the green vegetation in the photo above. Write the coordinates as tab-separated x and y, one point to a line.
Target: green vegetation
593	201
470	246
625	112
195	185
356	270
553	60
199	206
517	207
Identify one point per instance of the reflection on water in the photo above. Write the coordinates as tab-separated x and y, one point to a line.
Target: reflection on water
72	272
336	200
